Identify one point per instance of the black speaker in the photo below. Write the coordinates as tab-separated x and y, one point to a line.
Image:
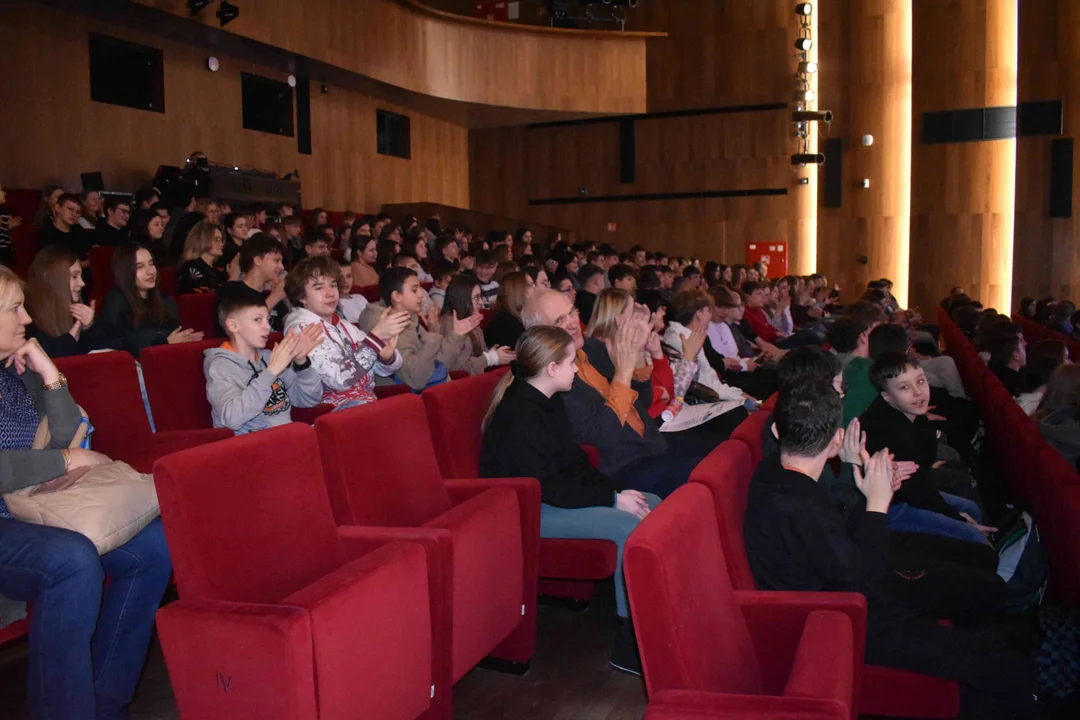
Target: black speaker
1061	178
627	152
834	172
303	115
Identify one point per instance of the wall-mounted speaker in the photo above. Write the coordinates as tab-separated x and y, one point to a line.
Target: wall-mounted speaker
834	172
1061	178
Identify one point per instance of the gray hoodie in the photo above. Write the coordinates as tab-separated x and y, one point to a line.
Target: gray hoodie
245	396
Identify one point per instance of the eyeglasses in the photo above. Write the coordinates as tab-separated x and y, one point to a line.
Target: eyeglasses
573	315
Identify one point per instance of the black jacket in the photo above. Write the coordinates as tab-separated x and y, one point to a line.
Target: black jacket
106	234
1009	378
798	538
585	302
887	427
74	239
504	329
64	345
196	276
529	436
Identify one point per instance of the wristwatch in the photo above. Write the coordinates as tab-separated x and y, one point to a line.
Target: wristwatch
61	382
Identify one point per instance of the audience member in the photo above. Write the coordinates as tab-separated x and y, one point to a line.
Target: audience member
505	326
348	363
592	283
89	638
249	387
1008	354
89	209
111	231
464	300
63	324
622	277
798	540
202	251
351	304
1043	358
364	256
136	313
693	311
485	272
442	272
1058	414
63	228
260	262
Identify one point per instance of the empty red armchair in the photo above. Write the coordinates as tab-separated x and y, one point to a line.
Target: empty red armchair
282	615
754	654
381	471
106	385
567	568
727	472
197	313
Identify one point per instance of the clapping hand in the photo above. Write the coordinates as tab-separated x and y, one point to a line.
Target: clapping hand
83	314
464	326
691	345
874	481
854	448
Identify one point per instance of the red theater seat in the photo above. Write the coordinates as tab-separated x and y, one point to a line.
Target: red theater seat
726	472
197	312
774	654
101	270
568	568
282	615
106	385
381	471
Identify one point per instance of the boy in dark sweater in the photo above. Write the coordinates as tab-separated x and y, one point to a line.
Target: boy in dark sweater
798	540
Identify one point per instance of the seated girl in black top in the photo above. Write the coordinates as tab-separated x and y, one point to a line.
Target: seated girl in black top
136	313
527	434
506	327
202	251
63	325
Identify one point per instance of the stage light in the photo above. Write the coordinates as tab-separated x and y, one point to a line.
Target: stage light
808	67
805	96
803	44
804	9
196	6
812	116
808	159
227	12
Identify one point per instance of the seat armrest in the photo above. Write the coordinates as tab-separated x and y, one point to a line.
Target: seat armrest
698	705
359	540
528	492
262	664
776	621
822	667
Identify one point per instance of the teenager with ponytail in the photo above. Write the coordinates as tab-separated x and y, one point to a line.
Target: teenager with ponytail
527	434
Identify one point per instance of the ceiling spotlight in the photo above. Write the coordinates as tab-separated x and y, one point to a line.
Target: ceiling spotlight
808	159
804	9
803	44
805	96
196	6
811	116
227	12
807	67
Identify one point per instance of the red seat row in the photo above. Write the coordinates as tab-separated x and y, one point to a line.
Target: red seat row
1036	475
321	576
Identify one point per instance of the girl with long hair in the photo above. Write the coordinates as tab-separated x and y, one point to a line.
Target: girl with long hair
463	298
199	271
63	324
505	326
136	313
527	434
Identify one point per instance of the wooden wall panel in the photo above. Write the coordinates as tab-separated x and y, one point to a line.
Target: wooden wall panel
717	53
1046	253
54	131
963	194
405	44
866	80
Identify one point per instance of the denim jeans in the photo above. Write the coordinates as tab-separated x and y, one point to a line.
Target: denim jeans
595	523
904	518
88	642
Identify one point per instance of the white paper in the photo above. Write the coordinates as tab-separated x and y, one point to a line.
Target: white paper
693	415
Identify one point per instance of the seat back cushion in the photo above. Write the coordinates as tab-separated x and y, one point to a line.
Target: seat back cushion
456	411
726	471
106	385
176	385
247	518
380	466
691	633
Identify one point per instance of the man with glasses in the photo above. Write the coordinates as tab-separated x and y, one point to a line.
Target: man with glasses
113	231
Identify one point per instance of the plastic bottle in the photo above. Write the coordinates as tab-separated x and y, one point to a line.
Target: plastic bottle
672	410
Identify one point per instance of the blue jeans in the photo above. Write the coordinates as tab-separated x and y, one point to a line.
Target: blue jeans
664	473
904	518
595	523
88	642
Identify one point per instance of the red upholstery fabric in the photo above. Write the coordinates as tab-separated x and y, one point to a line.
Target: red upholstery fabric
272	607
106	385
692	627
101	270
176	385
167	282
23	203
695	705
749	432
197	313
388	391
370	293
494	524
727	472
456	411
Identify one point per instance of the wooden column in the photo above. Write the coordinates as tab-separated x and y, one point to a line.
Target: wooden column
803	222
962	198
1046	253
866	81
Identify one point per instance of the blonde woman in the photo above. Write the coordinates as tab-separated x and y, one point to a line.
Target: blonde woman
88	641
203	249
527	434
